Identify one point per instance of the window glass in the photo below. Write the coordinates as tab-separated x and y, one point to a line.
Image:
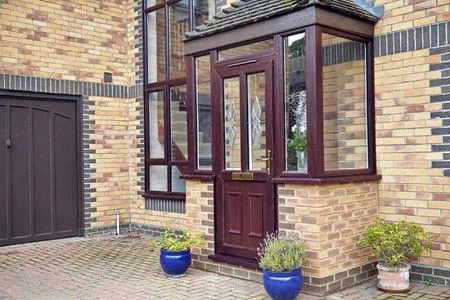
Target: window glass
203	100
178	184
178	123
203	10
151	3
179	25
232	136
257	133
345	104
156	46
158	178
249	49
295	90
156	134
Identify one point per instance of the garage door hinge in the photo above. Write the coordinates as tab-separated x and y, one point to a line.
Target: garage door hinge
8	144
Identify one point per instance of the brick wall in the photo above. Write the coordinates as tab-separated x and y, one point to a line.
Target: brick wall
64	39
332	219
411	97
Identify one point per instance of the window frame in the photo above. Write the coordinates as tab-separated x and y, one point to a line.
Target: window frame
316	173
164	86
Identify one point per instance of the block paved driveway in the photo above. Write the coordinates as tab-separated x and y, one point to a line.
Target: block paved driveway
127	268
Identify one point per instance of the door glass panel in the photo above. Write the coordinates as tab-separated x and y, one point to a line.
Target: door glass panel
232	124
257	134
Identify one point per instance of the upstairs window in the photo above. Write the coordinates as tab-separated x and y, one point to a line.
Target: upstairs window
166	154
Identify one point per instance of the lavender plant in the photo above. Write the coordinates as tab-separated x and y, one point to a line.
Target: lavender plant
281	252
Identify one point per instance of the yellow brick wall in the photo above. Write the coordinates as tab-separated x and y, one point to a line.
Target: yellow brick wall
75	40
411	189
331	218
406	14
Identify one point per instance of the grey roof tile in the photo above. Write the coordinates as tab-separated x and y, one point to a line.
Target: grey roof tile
245	12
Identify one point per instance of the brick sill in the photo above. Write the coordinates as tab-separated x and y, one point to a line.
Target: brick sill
327	180
234	260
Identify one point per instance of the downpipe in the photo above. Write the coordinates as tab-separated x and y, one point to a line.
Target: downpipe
117	222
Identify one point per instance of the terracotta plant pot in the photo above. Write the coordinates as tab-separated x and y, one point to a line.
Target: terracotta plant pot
393	280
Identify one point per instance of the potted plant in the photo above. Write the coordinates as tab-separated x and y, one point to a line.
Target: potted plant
395	244
298	144
175	257
281	256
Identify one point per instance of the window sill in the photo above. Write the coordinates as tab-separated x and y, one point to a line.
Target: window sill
327	180
170	196
198	177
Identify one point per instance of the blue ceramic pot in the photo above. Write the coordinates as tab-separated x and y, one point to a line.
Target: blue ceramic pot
283	285
175	263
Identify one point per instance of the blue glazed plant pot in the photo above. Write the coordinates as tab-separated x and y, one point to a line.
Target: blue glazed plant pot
175	263
283	285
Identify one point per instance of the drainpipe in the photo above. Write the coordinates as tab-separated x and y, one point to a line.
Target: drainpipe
117	222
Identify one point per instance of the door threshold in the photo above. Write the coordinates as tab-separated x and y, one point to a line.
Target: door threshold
251	263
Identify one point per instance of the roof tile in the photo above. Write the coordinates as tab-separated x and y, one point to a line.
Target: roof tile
245	12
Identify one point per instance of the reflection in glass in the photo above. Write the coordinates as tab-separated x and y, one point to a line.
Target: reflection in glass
158	178
345	105
178	122
203	10
249	49
156	45
178	184
296	125
232	124
203	100
179	25
256	97
156	132
151	3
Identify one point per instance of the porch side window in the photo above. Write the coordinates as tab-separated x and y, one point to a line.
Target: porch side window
295	102
344	104
204	117
165	98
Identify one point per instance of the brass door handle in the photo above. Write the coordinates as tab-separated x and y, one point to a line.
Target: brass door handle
268	160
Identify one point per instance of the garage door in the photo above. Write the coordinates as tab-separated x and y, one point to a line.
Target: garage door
38	170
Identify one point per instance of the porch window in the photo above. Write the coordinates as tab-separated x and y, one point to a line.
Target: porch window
295	107
203	112
344	103
324	107
166	134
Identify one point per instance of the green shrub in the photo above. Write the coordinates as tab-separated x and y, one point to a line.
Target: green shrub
281	252
172	241
396	243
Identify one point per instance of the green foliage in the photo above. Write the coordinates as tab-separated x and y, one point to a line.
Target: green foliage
281	252
172	241
298	141
297	48
396	243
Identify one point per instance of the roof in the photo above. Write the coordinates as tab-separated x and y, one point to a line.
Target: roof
245	12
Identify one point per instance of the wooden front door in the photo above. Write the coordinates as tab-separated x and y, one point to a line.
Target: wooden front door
245	207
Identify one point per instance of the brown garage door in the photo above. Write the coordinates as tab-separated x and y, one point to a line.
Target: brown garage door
38	169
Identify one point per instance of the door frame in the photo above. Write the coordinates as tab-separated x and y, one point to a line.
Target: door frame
37	96
268	57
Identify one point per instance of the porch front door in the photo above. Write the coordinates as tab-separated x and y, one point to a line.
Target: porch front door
245	202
